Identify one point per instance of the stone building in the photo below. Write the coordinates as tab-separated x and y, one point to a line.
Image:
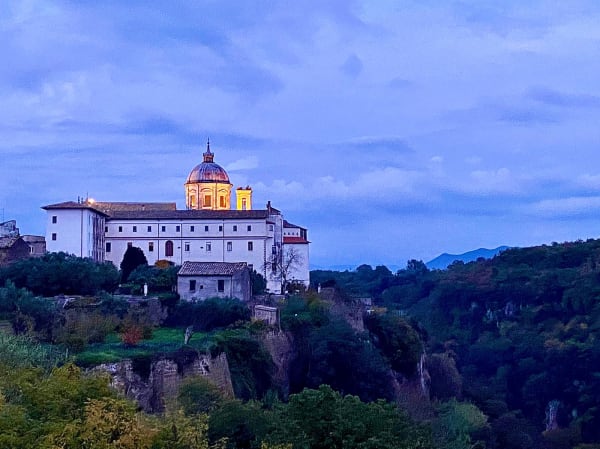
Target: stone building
197	281
208	230
13	249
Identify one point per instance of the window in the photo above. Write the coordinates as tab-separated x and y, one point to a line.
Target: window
229	246
163	229
149	228
207	201
274	250
108	247
150	247
135	229
208	247
221	285
168	248
205	228
270	227
177	228
31	250
105	228
192	285
120	228
54	236
234	228
220	228
251	266
191	229
129	244
249	228
54	218
222	201
243	203
187	246
250	246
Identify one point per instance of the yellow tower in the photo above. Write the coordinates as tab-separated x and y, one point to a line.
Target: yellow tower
243	198
208	187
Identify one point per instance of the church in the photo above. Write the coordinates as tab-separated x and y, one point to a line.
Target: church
208	230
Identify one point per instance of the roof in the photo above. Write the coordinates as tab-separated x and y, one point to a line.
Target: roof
287	224
109	206
72	205
211	268
208	170
188	215
288	240
7	242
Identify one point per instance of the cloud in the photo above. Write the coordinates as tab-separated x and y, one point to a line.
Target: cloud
352	66
245	163
567	207
561	99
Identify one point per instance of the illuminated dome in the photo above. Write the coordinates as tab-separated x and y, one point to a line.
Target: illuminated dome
208	171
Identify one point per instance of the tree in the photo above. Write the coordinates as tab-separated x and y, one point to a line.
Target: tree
133	258
323	419
284	265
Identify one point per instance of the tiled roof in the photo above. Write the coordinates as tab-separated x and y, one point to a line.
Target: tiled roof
211	268
108	206
188	214
72	205
295	240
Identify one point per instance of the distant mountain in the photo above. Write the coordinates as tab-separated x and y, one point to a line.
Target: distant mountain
442	261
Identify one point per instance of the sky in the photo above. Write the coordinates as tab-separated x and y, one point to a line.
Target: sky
391	130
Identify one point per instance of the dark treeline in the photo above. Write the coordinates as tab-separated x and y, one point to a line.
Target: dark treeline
522	329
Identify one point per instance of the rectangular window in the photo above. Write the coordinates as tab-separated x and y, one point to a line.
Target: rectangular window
249	228
244	206
207	200
270	227
177	228
149	228
192	285
105	228
221	285
54	218
205	228
31	250
208	247
191	229
150	247
222	201
234	228
120	228
54	236
108	247
135	229
163	229
187	246
229	246
250	246
251	266
220	228
274	250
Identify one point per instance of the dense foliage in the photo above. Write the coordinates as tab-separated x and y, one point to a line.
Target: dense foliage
516	335
60	273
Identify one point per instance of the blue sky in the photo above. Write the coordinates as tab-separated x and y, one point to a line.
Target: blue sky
392	130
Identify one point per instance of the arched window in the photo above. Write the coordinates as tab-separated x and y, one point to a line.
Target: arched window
168	248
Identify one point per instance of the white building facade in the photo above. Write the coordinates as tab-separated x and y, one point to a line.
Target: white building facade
207	231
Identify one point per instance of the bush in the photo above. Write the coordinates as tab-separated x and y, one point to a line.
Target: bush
210	314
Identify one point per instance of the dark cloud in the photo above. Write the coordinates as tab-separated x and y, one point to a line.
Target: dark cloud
556	98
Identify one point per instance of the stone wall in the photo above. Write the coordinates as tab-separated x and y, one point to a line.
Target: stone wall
157	384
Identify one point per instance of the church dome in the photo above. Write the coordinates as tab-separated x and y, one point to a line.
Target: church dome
208	171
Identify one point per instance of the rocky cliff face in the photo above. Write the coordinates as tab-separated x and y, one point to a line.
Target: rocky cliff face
154	383
280	346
